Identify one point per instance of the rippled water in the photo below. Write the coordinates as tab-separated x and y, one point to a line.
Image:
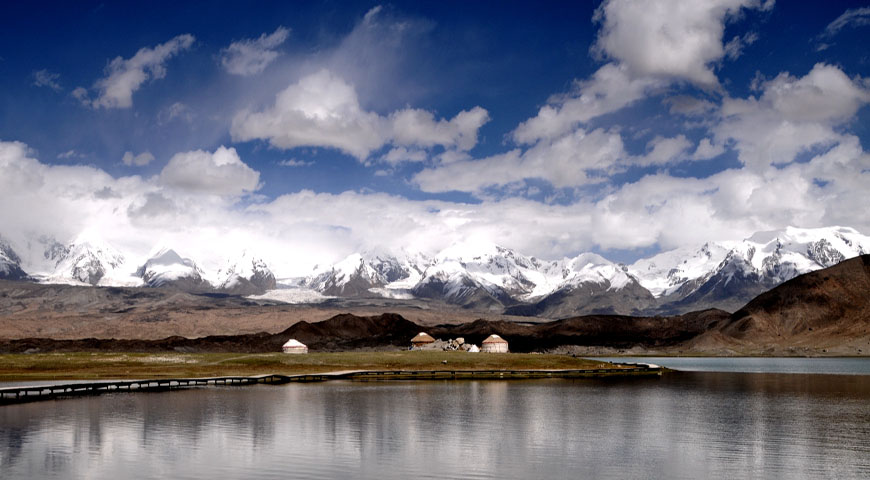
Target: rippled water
683	425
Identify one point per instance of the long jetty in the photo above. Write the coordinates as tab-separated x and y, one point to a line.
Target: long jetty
20	394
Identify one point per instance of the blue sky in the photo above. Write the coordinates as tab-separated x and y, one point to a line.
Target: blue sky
623	127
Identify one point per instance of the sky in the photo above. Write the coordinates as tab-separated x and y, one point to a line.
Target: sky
306	131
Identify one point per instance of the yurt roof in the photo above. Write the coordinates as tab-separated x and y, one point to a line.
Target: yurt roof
422	337
293	343
494	339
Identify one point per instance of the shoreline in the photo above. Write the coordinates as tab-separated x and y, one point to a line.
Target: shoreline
30	393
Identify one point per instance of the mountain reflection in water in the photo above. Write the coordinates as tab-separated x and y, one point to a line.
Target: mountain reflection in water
684	425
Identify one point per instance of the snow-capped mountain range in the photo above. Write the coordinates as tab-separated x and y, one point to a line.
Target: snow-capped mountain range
722	274
87	260
483	276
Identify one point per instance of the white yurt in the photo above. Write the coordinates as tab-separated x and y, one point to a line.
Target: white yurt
473	349
494	344
294	346
421	340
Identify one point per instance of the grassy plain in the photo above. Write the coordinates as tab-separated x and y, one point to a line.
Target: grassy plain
92	366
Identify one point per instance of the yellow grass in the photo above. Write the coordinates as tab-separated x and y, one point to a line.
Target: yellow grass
82	366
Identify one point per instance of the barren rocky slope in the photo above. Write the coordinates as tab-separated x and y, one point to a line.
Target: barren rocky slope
70	312
824	310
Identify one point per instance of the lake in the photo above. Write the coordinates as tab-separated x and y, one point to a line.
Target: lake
682	425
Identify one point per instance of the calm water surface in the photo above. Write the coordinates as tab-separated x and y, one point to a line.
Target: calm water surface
840	365
683	425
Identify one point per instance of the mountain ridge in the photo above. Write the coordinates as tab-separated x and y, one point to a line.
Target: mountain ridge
489	277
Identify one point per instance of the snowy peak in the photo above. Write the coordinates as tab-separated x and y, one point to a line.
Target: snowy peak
53	251
593	268
88	263
10	263
357	274
477	274
498	270
770	257
168	268
783	255
670	271
246	275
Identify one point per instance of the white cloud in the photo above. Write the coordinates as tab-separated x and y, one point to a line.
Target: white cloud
401	154
792	116
155	205
706	150
295	231
825	94
664	151
81	94
177	110
575	159
322	110
672	39
689	106
734	47
608	90
854	17
419	128
292	162
252	56
140	160
70	154
218	173
44	78
126	76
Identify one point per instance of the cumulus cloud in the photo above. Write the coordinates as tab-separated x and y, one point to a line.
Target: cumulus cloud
44	78
420	128
576	159
322	110
218	173
825	94
670	39
608	90
297	230
140	160
706	150
664	151
126	76
401	154
792	116
252	56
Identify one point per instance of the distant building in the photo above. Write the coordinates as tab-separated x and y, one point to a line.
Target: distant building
421	340
294	346
494	344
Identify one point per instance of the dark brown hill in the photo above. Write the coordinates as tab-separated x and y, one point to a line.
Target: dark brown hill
390	331
341	332
347	331
823	307
611	331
